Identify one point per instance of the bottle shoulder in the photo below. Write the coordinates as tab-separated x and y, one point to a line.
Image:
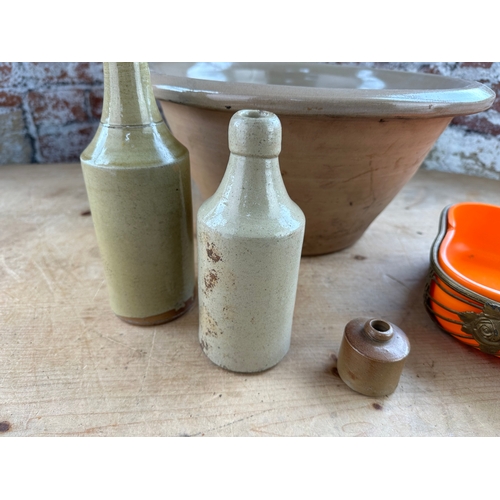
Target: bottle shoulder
284	219
139	146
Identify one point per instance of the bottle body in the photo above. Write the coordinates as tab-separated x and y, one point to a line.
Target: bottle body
250	236
138	183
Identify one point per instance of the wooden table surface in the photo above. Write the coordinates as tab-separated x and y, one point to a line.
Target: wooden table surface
68	366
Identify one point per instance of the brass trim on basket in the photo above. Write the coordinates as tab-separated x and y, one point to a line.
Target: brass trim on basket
483	327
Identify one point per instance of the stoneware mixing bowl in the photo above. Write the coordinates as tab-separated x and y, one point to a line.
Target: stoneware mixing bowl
352	137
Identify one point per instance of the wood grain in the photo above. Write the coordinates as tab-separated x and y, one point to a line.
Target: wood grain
68	366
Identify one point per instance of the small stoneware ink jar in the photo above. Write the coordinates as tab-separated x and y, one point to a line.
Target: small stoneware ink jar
250	236
138	183
372	356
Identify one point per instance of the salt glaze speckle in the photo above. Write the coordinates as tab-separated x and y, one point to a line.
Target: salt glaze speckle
250	235
138	183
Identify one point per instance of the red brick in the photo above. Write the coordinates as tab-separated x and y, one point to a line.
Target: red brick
485	65
496	88
48	72
477	123
430	68
43	73
67	144
5	72
83	72
95	99
10	99
58	107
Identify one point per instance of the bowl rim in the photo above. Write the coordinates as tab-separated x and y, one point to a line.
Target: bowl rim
460	97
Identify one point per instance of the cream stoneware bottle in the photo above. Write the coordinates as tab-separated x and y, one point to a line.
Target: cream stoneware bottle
250	236
138	183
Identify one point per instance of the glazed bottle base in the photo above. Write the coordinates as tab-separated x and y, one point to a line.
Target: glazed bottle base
238	366
249	372
159	319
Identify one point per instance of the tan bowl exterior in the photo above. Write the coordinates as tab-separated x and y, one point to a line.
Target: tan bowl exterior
341	171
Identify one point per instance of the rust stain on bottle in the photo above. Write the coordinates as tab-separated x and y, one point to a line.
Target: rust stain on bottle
211	279
212	253
210	325
211	329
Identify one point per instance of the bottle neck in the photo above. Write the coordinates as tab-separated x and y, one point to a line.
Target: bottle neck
253	186
128	95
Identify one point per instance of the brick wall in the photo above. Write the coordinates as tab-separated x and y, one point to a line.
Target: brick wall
471	144
49	113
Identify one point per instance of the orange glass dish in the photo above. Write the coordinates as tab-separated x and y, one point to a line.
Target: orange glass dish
463	290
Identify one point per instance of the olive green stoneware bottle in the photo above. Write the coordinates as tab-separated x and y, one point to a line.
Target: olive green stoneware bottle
250	236
138	183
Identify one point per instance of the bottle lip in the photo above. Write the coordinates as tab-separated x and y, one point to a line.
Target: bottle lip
255	114
377	339
256	133
379	330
